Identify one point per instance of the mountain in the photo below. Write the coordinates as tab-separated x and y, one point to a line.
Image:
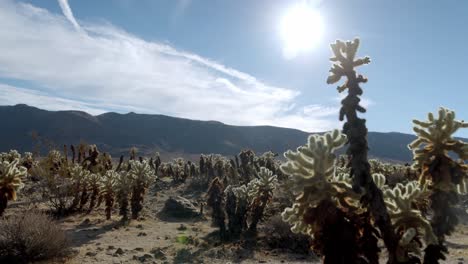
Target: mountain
24	126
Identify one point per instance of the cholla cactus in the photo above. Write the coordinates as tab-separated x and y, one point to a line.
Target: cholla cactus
79	178
261	191
326	207
408	219
10	181
94	183
310	168
216	201
141	175
435	140
10	156
108	183
123	186
443	175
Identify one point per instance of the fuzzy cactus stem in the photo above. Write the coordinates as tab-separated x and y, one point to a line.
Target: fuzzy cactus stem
356	132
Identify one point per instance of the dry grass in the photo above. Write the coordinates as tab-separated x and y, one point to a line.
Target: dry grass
31	236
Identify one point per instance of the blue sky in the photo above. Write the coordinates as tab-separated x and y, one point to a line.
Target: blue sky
224	60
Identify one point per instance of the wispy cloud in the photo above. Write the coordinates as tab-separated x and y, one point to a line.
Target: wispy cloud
67	12
107	68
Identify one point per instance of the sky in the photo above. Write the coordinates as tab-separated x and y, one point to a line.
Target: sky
225	60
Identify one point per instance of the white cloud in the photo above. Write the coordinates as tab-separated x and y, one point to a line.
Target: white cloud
103	67
67	12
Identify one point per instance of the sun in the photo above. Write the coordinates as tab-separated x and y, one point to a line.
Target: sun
301	28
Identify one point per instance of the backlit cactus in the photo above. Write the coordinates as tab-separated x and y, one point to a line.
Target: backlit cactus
444	176
434	141
408	220
311	169
344	64
261	191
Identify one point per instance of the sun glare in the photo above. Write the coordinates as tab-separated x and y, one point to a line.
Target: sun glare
301	28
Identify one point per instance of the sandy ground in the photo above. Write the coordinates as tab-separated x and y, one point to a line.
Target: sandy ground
152	240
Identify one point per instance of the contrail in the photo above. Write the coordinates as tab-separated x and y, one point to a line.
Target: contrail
67	12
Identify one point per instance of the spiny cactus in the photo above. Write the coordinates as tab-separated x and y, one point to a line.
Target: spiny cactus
434	141
141	174
216	202
123	190
310	168
108	184
261	191
94	184
408	220
79	177
443	175
10	156
355	129
326	207
10	181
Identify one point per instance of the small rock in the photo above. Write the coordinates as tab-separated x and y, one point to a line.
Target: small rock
119	251
142	234
158	253
145	257
99	249
182	227
91	254
139	226
139	249
111	247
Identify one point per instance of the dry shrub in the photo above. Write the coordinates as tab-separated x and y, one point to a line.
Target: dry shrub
281	237
31	236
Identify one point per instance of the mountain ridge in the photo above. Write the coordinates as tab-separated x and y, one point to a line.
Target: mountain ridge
116	133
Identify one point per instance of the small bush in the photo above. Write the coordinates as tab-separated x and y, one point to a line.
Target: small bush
31	236
280	236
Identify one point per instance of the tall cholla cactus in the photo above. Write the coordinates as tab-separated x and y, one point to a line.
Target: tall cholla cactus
108	183
141	174
430	150
407	219
344	64
261	191
10	181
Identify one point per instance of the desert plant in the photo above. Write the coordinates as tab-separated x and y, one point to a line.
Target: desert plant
237	205
108	183
141	174
216	201
31	236
261	191
10	181
94	183
355	128
442	174
326	207
123	190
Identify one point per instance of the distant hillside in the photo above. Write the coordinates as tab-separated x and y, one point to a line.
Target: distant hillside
116	133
